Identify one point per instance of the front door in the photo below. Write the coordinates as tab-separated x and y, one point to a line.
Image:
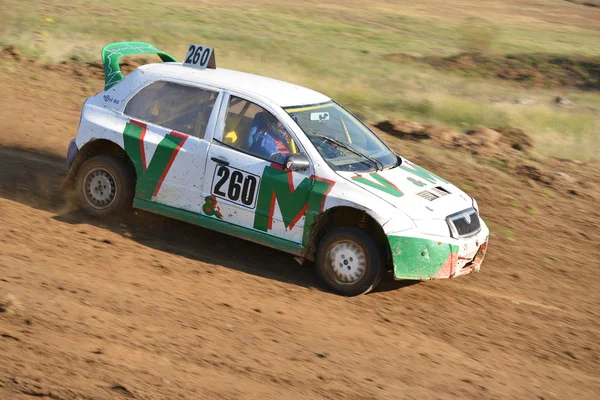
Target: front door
246	183
165	138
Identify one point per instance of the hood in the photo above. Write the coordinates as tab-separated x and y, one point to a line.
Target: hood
415	191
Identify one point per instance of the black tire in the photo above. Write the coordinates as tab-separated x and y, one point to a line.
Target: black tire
347	242
112	182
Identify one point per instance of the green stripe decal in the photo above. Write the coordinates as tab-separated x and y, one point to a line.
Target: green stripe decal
316	204
381	184
221	226
416	258
422	173
277	185
306	199
149	180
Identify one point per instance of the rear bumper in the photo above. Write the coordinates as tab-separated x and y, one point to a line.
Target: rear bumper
423	257
71	153
69	181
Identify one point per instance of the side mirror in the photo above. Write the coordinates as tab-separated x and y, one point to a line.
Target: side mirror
297	162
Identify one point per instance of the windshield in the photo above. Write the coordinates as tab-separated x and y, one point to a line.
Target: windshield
342	139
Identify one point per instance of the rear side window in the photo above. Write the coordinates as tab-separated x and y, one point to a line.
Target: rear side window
178	107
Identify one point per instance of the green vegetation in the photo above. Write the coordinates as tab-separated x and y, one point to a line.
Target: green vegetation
341	48
508	235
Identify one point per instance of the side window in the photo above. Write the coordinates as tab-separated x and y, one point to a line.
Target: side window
178	107
253	130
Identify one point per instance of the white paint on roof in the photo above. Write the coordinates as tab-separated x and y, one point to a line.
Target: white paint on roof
284	94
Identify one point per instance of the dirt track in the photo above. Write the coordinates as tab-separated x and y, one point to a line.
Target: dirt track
146	307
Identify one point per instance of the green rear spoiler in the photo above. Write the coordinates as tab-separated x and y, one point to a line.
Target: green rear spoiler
112	53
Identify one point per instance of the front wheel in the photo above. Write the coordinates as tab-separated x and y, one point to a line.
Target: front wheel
350	261
105	186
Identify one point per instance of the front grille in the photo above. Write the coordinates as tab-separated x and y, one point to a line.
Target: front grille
464	223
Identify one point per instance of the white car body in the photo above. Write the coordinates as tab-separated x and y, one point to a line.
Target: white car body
410	205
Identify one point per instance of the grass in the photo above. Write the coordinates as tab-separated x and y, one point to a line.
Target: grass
339	48
508	235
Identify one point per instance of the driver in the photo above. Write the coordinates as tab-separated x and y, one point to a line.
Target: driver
268	138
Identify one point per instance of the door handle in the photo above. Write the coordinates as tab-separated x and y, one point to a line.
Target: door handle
219	161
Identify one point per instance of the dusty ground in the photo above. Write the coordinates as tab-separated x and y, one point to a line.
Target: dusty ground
146	307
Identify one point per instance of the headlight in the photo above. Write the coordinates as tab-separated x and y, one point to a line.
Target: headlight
475	205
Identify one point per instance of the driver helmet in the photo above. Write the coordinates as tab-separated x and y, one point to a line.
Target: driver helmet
274	126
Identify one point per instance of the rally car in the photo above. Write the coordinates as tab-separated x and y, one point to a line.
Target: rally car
270	162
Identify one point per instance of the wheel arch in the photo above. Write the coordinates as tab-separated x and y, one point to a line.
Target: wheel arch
91	149
341	216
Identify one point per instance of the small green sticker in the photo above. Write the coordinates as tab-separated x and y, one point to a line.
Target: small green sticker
211	208
416	182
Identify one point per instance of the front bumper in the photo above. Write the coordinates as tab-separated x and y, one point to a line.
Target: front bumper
422	256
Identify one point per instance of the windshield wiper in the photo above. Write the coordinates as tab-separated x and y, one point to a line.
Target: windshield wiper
350	149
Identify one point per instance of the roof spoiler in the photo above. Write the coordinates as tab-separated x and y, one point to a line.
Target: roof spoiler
112	53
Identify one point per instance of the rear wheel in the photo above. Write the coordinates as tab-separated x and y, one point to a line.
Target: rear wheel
350	261
105	186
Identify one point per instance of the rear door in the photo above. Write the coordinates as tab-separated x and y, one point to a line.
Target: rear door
167	136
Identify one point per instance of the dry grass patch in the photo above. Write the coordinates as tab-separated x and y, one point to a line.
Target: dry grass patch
338	48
